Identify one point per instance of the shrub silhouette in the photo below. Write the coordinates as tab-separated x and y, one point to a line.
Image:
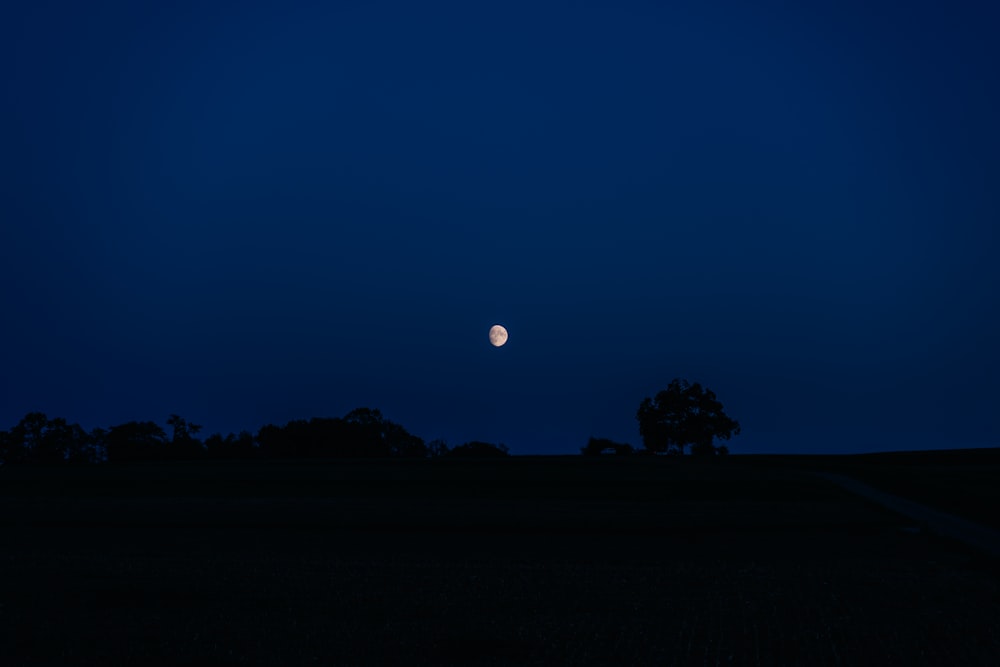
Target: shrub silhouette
604	446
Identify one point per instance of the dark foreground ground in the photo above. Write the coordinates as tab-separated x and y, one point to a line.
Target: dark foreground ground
508	563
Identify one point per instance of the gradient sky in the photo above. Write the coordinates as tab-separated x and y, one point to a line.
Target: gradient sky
247	213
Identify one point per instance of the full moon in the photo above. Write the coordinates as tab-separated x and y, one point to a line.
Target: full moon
498	335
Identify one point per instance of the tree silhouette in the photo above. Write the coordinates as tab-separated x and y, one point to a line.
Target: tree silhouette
232	446
362	433
368	432
136	441
6	445
319	437
66	443
403	444
684	414
323	437
38	439
98	445
382	437
184	445
271	440
15	449
437	447
30	439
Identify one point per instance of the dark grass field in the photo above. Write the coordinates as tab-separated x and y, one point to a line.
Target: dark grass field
965	482
527	561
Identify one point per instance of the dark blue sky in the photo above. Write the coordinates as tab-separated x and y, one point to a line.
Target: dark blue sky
252	213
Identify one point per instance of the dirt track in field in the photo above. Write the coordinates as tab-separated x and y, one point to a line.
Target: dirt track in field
948	525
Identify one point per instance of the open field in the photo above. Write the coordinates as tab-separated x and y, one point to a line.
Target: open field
522	562
965	482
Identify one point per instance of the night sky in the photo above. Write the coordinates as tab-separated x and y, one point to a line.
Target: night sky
252	213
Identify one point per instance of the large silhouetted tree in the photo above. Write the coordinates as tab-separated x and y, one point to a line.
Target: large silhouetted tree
684	414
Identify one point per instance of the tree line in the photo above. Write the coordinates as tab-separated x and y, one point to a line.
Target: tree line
683	417
361	433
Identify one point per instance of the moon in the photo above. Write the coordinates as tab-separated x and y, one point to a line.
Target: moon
498	335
